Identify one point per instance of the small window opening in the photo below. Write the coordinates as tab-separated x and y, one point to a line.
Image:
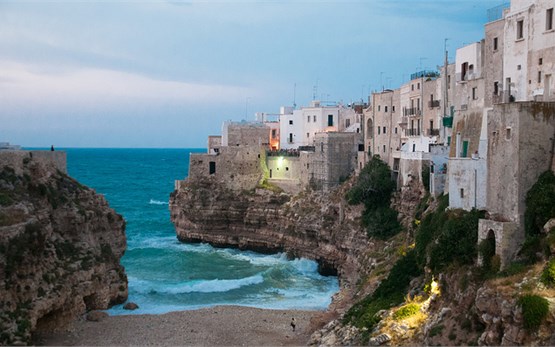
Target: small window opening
495	43
212	167
549	19
462	193
520	29
330	120
508	134
290	122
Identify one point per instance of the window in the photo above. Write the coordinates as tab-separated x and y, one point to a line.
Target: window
379	129
379	107
474	93
464	152
508	134
290	137
395	130
307	135
464	69
347	123
308	119
518	67
290	122
549	19
330	120
539	77
384	130
274	133
520	29
385	109
212	167
412	87
495	43
384	148
314	118
418	85
462	193
392	109
540	61
495	88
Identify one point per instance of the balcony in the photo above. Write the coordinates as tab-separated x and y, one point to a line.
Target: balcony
433	103
502	97
413	132
403	121
433	132
413	111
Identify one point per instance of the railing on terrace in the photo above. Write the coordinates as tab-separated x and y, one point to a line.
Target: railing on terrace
433	132
424	73
412	111
413	132
496	13
433	103
283	153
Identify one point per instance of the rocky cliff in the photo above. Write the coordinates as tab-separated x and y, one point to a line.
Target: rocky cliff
60	246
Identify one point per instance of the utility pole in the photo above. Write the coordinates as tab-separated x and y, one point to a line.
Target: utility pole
445	88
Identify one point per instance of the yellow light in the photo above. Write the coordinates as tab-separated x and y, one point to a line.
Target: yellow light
280	161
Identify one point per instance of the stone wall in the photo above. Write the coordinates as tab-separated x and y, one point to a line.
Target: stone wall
334	159
467	183
237	167
519	151
245	134
508	238
56	159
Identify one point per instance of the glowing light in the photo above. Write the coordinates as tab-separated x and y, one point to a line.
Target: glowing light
280	161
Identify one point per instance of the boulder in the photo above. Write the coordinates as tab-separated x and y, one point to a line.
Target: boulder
130	306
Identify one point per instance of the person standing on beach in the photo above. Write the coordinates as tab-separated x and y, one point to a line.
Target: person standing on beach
293	323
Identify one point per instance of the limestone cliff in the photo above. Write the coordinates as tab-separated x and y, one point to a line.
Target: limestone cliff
60	246
313	225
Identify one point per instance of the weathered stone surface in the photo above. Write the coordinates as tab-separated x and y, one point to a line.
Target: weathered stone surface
60	245
308	225
130	306
96	316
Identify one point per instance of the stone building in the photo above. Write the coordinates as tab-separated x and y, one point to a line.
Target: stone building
520	145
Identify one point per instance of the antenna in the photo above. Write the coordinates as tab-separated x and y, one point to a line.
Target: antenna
295	95
315	90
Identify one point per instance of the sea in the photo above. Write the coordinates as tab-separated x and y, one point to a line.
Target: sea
166	275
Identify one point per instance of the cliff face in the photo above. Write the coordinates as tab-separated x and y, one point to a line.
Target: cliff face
313	225
60	246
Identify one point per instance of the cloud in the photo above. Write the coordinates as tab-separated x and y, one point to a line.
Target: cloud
23	83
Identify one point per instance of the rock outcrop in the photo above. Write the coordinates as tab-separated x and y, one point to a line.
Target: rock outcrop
314	225
60	246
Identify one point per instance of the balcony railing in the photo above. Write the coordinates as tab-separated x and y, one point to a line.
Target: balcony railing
412	111
433	103
413	132
502	97
403	120
433	132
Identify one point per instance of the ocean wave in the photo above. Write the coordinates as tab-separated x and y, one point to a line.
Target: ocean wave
202	286
157	202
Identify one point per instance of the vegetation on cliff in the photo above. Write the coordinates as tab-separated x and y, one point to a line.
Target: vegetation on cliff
373	188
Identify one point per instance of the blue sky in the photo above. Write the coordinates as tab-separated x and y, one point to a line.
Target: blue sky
124	73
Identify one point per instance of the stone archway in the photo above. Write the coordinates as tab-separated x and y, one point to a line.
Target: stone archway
487	249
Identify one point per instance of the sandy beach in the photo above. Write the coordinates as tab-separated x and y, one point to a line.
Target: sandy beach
216	326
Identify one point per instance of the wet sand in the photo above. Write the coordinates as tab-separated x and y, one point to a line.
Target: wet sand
216	326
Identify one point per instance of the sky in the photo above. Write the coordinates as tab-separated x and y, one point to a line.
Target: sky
167	73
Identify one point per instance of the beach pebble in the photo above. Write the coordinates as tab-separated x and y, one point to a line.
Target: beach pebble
130	306
96	316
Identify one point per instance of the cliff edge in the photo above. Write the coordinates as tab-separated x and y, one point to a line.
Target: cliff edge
60	246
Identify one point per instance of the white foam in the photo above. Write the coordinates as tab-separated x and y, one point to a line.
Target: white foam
199	286
157	202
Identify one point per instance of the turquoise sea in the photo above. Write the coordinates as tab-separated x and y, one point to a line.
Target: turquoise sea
166	275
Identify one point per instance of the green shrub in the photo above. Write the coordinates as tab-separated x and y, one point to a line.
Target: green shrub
389	293
456	241
5	199
540	203
429	228
436	330
373	188
406	311
374	185
548	274
534	310
381	222
426	177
